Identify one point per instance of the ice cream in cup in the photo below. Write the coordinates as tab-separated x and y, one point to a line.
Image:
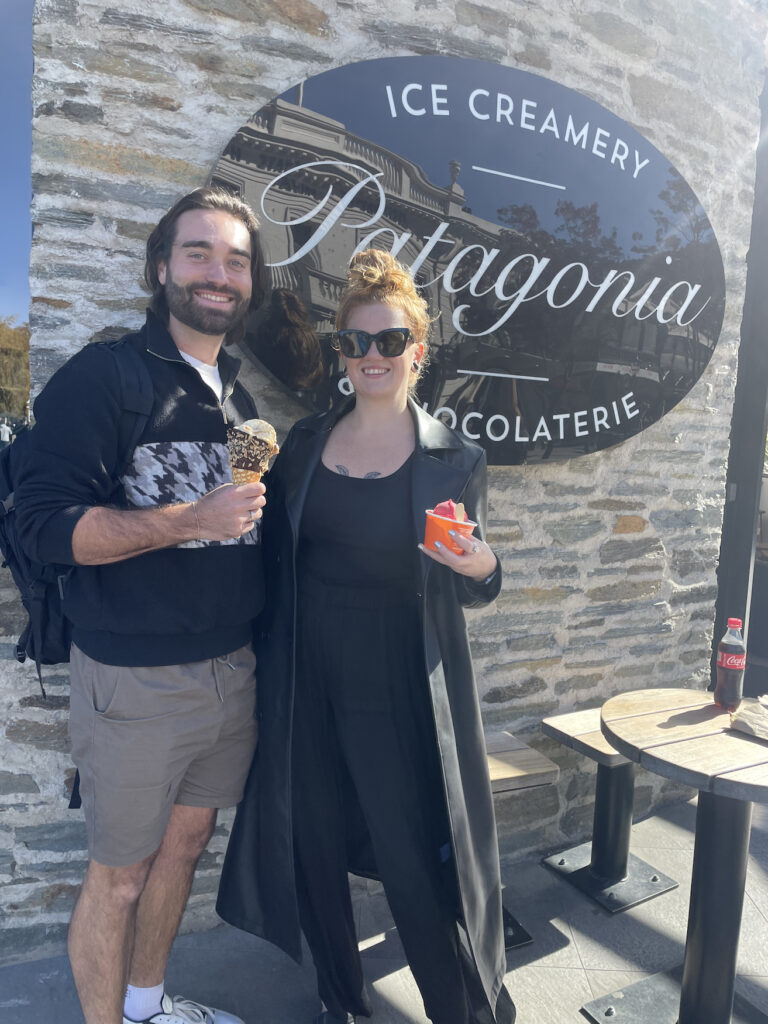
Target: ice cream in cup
444	517
250	446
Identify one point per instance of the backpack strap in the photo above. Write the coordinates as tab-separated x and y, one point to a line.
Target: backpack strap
137	398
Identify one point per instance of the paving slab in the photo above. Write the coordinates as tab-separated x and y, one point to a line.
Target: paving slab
649	937
672	828
543	904
601	983
548	995
579	951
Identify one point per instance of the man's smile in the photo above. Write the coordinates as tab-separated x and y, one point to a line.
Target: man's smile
213	296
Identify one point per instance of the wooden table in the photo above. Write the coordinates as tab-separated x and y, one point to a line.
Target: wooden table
604	869
683	736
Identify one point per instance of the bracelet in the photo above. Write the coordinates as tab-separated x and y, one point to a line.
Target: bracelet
491	578
197	519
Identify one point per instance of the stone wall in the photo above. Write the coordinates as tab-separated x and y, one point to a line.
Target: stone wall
609	559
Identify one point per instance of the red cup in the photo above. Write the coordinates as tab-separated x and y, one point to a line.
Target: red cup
437	528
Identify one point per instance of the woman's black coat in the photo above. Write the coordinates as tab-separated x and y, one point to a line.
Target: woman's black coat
258	890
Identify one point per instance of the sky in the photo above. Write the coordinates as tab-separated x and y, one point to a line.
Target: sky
16	133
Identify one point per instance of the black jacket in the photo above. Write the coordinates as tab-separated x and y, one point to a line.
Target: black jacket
194	601
257	890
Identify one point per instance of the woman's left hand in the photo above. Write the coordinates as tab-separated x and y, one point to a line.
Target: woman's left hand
476	561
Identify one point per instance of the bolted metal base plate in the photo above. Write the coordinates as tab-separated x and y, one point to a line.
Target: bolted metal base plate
642	883
515	935
656	1000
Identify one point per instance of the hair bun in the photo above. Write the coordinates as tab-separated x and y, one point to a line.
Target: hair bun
374	275
377	269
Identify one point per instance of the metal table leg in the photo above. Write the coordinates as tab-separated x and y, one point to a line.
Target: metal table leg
612	822
604	869
705	993
714	917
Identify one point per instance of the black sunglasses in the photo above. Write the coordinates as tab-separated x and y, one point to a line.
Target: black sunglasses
390	342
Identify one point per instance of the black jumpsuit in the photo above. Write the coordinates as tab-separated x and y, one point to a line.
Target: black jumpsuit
363	725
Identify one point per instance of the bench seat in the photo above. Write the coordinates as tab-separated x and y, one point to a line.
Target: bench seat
512	765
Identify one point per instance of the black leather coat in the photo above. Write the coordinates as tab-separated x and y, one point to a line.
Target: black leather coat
257	890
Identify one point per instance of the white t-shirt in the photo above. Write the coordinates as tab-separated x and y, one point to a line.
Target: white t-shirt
210	374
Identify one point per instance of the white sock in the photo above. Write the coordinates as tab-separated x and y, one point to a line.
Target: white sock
142	1003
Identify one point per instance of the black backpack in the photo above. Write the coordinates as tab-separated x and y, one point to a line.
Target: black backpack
46	637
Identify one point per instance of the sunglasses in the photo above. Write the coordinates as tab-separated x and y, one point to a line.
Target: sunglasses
390	342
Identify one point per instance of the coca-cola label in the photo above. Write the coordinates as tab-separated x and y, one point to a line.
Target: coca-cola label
726	659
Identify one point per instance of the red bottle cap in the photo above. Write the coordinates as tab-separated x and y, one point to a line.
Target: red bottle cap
734	623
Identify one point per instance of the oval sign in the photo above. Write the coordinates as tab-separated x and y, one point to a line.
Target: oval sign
577	282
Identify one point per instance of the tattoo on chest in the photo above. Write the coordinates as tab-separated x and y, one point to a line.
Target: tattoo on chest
343	471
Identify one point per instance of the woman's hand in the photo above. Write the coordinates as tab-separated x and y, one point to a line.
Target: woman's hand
476	561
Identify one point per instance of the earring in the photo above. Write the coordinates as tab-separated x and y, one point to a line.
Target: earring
415	366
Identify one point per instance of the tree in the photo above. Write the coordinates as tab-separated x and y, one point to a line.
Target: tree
14	367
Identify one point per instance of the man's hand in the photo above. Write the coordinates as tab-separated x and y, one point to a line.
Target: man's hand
105	535
230	511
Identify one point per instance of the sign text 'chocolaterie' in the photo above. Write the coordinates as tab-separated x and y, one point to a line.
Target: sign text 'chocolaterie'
577	283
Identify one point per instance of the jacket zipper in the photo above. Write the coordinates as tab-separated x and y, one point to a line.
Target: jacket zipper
226	392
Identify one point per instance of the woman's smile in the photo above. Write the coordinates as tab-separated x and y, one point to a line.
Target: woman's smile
375	376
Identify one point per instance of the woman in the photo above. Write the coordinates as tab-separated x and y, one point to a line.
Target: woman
371	754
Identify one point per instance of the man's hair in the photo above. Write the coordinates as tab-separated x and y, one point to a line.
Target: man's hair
161	240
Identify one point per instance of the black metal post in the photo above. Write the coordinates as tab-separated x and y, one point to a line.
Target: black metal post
714	917
614	800
604	869
748	425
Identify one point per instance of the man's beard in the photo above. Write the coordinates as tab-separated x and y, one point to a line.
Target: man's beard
187	310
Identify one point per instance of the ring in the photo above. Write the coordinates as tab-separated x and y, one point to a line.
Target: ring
251	515
475	548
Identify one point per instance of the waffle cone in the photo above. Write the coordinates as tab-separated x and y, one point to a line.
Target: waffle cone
250	446
245	476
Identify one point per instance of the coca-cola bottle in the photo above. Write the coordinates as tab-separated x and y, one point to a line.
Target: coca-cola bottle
731	661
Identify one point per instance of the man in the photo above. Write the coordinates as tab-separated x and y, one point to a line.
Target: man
5	433
166	584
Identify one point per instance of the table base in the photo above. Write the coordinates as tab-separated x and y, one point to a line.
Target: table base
515	935
656	1000
642	881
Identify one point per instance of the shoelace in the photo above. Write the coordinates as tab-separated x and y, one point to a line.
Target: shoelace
193	1012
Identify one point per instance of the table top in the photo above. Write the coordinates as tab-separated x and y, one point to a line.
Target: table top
684	736
580	730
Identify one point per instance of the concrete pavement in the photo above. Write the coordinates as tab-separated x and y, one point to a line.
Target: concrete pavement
579	951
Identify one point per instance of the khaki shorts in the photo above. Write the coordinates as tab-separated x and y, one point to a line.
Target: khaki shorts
145	739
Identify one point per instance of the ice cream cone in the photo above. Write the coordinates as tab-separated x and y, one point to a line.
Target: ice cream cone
250	446
245	476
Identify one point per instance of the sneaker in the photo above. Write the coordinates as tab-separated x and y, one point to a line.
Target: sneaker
186	1011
